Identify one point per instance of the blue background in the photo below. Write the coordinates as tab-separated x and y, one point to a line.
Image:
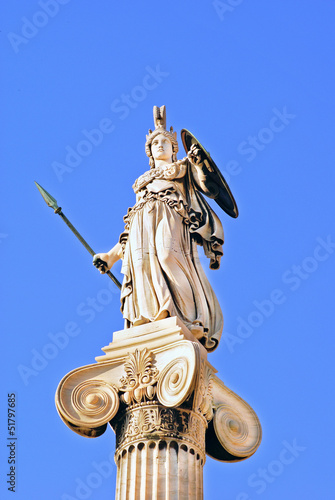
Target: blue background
224	70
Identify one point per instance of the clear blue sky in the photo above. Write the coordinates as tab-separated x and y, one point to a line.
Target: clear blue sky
254	81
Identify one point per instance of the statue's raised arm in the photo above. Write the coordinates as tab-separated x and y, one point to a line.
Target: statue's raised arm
162	273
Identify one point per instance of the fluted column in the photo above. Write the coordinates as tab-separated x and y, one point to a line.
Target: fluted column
159	470
160	453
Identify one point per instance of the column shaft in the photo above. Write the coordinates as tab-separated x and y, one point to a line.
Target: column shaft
159	470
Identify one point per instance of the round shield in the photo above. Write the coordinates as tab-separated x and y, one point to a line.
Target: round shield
215	184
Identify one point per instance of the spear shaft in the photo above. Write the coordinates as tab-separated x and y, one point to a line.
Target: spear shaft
51	202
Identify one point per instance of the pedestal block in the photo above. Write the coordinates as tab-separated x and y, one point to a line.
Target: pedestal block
157	390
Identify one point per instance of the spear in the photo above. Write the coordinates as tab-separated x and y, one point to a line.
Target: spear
51	202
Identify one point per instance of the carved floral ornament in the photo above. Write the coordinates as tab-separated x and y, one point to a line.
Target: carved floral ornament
203	398
140	377
143	381
141	422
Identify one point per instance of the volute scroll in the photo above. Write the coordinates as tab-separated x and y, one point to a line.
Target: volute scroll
235	432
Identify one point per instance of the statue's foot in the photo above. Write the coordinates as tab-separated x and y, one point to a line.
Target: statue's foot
142	321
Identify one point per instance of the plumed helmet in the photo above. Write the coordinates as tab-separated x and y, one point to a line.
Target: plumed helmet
160	128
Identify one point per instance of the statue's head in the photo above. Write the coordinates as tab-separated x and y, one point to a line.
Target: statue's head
161	148
161	138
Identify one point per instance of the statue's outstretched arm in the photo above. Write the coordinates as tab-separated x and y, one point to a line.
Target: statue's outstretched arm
105	261
199	170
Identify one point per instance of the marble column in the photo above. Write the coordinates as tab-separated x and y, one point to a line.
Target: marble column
155	387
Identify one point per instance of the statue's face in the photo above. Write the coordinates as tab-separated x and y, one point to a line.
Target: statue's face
161	148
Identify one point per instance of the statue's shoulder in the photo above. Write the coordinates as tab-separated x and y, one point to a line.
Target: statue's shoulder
143	180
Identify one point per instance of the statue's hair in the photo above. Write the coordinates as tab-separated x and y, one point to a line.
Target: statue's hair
171	136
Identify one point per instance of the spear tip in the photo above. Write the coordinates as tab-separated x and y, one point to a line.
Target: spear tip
49	200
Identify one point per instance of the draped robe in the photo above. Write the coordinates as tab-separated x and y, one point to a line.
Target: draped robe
162	272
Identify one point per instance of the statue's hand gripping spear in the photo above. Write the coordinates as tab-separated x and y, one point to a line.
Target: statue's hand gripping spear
51	202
